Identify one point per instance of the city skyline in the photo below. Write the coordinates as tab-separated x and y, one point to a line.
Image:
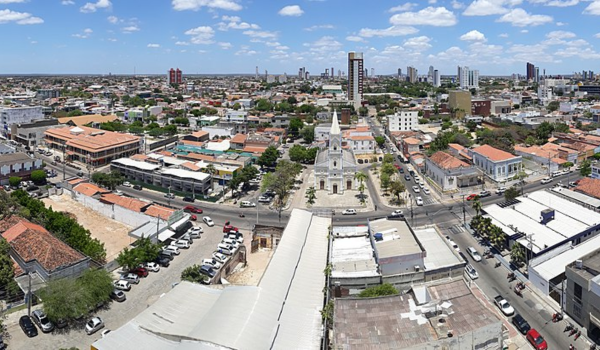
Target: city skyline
496	37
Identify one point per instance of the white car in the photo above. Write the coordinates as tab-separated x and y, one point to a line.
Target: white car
127	184
419	200
152	266
195	231
416	189
421	184
118	192
397	213
546	180
220	257
426	190
94	325
105	333
474	254
131	278
349	212
122	285
171	249
238	238
471	272
208	221
212	262
181	243
501	190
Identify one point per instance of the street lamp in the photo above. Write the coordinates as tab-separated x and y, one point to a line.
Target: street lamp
464	211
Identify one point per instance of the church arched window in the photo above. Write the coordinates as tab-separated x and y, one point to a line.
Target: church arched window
334	163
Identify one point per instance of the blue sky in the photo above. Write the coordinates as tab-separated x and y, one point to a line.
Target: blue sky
235	36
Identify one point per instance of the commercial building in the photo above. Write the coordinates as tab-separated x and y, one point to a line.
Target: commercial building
412	74
10	115
496	164
355	77
17	164
530	71
412	320
582	293
32	134
467	78
403	121
288	298
352	260
450	173
174	76
92	146
460	103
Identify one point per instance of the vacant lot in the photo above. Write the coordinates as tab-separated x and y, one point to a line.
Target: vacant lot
252	273
112	233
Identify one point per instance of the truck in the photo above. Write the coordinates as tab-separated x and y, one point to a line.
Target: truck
504	305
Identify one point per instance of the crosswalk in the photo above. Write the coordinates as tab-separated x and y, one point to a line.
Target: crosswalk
456	229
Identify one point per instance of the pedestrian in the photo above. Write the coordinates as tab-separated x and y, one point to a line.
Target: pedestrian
375	207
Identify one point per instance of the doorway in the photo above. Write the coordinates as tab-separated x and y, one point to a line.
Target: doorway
335	189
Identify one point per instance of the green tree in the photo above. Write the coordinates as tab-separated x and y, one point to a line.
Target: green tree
586	168
387	169
567	165
530	140
136	130
192	274
397	187
297	153
361	178
385	182
97	285
517	254
363	111
211	170
311	195
308	133
14	181
7	272
378	291
233	185
543	131
388	159
269	157
281	182
477	206
236	106
75	113
295	125
497	236
38	176
292	100
553	106
511	193
248	173
380	140
562	127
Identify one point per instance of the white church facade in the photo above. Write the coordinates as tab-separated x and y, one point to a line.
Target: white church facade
335	166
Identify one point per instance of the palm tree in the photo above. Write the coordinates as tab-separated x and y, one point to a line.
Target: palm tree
517	254
311	195
210	169
477	206
497	237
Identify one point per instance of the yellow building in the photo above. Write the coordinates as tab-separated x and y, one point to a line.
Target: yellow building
460	103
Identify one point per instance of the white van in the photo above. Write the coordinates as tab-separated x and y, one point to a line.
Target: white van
474	254
247	204
557	173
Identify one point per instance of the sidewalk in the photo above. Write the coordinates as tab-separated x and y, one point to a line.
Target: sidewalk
384	200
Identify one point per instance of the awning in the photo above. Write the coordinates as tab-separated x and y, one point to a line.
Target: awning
166	234
175	226
594	320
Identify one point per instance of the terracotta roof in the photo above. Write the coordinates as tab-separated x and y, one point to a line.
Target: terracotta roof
158	210
18	270
456	146
362	128
412	141
493	154
9	222
595	107
165	153
361	138
91	139
86	119
447	161
197	156
125	202
200	133
239	138
281	130
254	149
589	186
192	143
89	189
33	242
190	166
76	181
140	157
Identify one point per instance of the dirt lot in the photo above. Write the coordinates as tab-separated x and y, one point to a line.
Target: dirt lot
112	233
251	274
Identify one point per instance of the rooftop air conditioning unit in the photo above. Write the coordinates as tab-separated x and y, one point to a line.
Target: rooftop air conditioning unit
417	268
579	264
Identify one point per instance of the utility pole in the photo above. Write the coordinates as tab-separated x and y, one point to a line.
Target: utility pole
464	211
29	294
157	229
64	161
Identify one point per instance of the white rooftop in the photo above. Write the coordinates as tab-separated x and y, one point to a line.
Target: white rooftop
439	253
555	266
185	174
136	164
353	257
223	145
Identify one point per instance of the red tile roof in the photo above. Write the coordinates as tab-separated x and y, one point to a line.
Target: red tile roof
158	210
140	157
493	154
254	149
199	133
89	189
33	242
125	202
589	186
447	161
9	222
190	166
192	143
239	138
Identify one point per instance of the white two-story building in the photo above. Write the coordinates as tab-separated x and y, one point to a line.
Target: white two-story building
449	172
403	121
496	164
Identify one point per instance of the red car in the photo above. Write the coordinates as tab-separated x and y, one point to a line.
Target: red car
140	271
536	340
471	197
397	166
228	228
192	209
193	217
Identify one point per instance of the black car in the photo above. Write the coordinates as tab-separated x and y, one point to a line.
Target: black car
401	170
137	187
407	177
118	295
2	345
521	324
165	255
463	256
80	173
163	261
188	199
27	326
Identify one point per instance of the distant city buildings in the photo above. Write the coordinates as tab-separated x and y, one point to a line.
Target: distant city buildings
10	115
411	74
355	76
467	78
403	121
174	76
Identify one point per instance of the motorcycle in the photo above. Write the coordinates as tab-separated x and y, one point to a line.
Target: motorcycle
242	215
557	317
511	277
568	327
573	331
518	291
498	264
577	335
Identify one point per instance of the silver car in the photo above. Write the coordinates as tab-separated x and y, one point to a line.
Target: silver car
94	325
42	321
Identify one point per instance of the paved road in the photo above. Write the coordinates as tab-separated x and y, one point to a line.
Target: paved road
117	314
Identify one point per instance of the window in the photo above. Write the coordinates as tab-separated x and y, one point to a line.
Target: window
578	291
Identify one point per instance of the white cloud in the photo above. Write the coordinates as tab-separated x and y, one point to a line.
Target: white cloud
225	46
130	29
112	40
432	1
402	8
182	43
560	24
597	35
195	5
291	10
489	7
473	35
67	2
246	52
319	26
520	18
94	6
503	35
391	31
593	8
235	22
355	38
433	16
418	44
113	19
324	46
7	16
457	5
560	34
524	31
258	34
153	46
201	35
565	3
12	1
84	35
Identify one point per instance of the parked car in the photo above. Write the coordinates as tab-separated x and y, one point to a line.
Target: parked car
397	213
474	254
140	272
27	326
401	170
181	243
137	187
416	189
247	204
163	261
536	340
500	190
118	192
127	184
131	278
520	324
188	199
166	254
118	295
171	248
471	197
419	201
169	195
212	262
471	272
94	325
264	199
207	270
229	228
406	177
349	212
80	173
426	190
220	257
192	209
188	238
2	344
483	194
208	221
105	333
42	321
195	231
546	180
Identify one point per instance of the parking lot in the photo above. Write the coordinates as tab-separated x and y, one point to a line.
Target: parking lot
117	314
